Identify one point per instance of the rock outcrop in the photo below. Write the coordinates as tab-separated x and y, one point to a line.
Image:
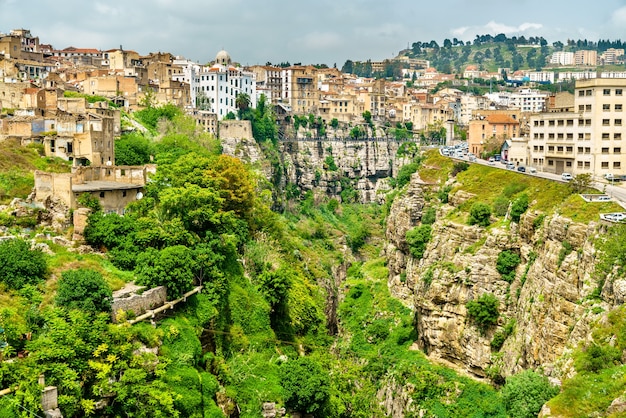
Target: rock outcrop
547	301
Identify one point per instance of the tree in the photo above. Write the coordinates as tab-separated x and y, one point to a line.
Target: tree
306	385
242	102
580	182
19	265
525	393
417	239
519	206
85	290
132	149
171	267
484	311
506	264
480	214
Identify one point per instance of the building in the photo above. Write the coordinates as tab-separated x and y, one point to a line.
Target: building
215	88
612	56
526	100
587	138
586	57
488	133
562	58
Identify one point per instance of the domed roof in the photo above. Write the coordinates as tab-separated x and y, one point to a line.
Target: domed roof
222	58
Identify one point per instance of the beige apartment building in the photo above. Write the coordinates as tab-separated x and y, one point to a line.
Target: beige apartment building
586	138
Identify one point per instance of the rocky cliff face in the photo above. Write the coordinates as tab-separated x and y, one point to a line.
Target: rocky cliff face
330	167
546	300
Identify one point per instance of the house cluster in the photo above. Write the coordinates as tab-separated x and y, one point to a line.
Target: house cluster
33	77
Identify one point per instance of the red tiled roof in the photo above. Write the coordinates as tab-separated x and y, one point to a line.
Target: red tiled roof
501	119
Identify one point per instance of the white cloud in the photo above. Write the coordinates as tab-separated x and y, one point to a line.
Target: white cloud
618	17
105	9
317	41
494	28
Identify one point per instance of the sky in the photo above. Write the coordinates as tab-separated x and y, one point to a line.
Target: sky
296	31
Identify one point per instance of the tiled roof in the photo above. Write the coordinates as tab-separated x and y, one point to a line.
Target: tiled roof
501	119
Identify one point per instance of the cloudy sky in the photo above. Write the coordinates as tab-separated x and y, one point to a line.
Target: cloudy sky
318	31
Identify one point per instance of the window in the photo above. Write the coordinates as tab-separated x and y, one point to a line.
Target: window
605	150
580	135
124	193
617	136
588	92
588	108
605	164
550	162
587	150
581	93
579	150
617	150
605	135
618	122
540	147
606	107
570	122
618	107
579	164
560	136
587	164
101	194
617	164
550	123
535	148
568	164
606	122
560	122
570	136
606	92
551	136
618	92
569	149
551	148
588	122
559	149
581	108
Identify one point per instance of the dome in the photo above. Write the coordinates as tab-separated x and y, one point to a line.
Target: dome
222	58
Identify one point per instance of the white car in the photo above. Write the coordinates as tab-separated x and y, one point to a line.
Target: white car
566	176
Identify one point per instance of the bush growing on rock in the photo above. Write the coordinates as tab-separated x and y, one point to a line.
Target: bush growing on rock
519	206
484	311
525	393
507	263
85	290
417	239
480	214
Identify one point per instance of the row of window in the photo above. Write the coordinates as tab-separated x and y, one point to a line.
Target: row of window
581	136
605	92
580	150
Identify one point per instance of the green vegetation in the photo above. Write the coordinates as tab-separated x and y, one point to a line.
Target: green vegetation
506	264
484	311
20	265
85	290
417	239
525	393
480	214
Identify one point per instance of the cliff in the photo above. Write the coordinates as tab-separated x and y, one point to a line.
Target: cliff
360	169
547	301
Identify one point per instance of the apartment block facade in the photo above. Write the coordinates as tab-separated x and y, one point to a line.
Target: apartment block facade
586	138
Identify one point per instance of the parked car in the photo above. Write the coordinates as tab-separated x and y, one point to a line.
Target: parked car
521	169
492	160
532	170
566	176
603	198
510	166
497	157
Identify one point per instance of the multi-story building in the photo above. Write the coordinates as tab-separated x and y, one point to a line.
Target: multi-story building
586	138
562	58
215	88
300	89
612	56
488	133
526	100
586	57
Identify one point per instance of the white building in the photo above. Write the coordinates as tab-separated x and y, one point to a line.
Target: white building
526	100
576	75
562	58
215	88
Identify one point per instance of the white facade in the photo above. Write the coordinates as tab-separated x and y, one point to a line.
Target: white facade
526	100
541	76
215	88
562	58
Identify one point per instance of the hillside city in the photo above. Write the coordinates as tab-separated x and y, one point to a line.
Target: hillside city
577	131
440	234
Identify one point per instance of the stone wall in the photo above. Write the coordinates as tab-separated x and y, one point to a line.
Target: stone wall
130	301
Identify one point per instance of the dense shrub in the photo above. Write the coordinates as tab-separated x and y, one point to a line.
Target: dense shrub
484	311
172	267
500	206
459	167
306	385
444	193
19	265
429	216
133	149
506	264
519	206
480	214
405	173
513	189
596	357
85	290
525	393
417	239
